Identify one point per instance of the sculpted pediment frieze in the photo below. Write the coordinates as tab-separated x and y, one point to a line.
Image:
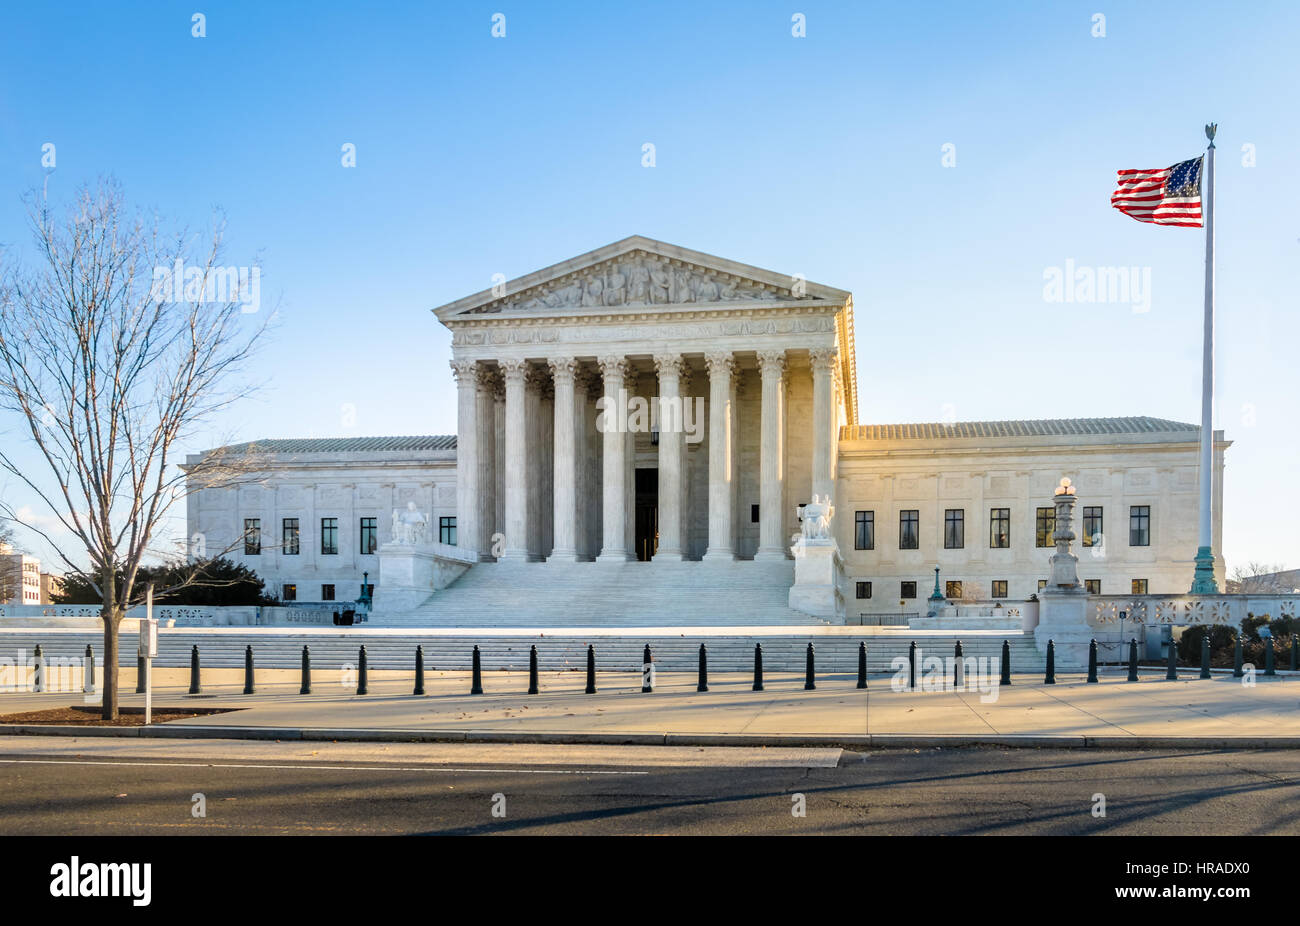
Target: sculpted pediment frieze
639	278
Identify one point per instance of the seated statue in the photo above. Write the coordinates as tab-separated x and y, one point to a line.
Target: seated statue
409	526
817	518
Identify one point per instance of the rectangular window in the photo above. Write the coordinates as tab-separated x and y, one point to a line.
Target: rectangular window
1044	527
952	589
753	514
907	590
999	588
329	536
1139	526
864	589
954	529
909	530
290	593
999	528
327	593
1092	526
289	536
369	535
864	530
1139	587
1042	584
252	536
447	531
1093	586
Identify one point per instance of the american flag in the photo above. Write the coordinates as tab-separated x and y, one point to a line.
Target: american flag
1171	196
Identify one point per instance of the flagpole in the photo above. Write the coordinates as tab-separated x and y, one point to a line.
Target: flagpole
1203	582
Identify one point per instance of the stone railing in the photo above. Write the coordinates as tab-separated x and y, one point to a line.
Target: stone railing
1228	610
167	615
11	611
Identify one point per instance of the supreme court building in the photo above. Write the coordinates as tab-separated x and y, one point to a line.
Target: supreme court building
638	429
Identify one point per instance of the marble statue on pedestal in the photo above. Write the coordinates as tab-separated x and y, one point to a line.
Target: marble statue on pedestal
410	526
817	516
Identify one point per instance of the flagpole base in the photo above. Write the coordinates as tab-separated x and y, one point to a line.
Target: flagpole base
1203	579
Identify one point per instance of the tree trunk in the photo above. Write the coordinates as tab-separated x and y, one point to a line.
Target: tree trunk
111	616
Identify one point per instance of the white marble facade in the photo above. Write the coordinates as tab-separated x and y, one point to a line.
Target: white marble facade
769	362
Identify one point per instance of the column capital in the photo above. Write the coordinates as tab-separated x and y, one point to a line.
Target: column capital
720	363
669	365
536	379
823	359
563	369
513	371
613	367
771	362
465	371
487	379
587	381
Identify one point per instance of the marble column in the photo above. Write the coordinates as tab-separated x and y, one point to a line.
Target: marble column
721	366
516	468
771	508
486	447
671	434
823	361
467	464
614	545
566	461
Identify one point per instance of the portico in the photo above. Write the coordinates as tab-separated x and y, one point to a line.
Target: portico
716	387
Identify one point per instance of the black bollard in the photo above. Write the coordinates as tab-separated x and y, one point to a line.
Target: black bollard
911	666
1050	678
476	672
758	666
419	671
703	683
1133	659
1092	660
195	687
591	669
1236	659
249	687
363	686
1006	664
958	669
1269	668
88	678
1205	656
532	670
1171	670
810	671
647	670
862	664
139	674
306	672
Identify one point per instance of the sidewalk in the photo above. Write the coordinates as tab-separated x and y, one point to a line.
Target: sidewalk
1193	712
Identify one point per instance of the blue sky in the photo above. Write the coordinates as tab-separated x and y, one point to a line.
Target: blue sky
818	155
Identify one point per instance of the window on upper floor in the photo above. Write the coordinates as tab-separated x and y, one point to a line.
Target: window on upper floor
1044	527
999	528
329	536
289	536
954	529
909	529
864	530
999	588
369	535
1092	525
252	536
1139	526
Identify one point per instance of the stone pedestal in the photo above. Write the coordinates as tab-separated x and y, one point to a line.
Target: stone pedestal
817	571
410	573
1063	619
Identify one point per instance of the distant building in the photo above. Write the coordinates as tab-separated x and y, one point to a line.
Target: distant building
20	577
51	585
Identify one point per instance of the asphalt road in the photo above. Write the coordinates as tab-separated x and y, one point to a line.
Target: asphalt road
937	791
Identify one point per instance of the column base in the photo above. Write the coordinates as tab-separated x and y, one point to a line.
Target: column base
719	556
563	556
668	556
614	556
513	556
769	554
1203	582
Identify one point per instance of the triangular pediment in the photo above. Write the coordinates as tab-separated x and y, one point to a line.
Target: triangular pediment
640	273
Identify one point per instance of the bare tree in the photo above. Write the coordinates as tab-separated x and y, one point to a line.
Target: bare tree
109	357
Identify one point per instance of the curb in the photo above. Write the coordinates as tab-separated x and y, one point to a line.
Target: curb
878	740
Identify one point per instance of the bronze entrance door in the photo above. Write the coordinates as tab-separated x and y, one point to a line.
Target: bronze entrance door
647	513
